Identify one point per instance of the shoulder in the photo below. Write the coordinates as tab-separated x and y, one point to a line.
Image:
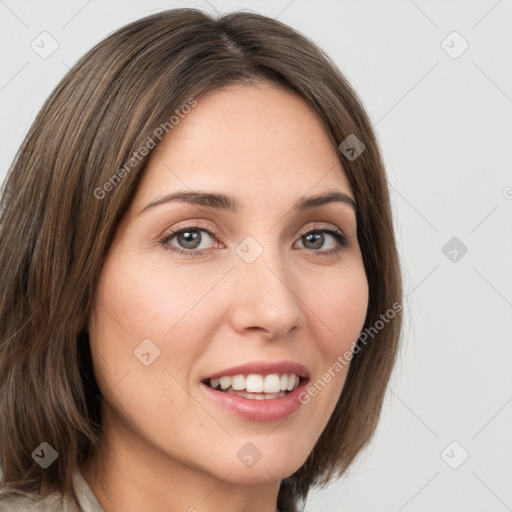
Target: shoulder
54	502
10	502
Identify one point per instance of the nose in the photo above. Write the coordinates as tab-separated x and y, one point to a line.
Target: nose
263	297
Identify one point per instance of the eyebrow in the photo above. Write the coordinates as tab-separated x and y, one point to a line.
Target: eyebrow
229	203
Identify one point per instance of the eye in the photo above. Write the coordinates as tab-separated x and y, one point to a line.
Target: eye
315	238
190	240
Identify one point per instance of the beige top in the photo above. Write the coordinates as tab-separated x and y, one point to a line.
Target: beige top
53	502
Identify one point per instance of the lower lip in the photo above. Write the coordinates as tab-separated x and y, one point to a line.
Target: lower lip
273	409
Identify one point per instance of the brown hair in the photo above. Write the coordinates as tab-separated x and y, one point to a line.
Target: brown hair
55	232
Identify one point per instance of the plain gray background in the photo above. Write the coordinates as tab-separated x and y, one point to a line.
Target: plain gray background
444	121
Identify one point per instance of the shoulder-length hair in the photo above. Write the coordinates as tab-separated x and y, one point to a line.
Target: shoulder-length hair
57	225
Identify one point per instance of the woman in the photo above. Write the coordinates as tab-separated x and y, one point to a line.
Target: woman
200	287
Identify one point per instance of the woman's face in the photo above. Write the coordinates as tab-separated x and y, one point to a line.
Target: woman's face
269	286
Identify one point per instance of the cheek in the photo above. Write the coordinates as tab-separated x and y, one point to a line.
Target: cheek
340	309
144	299
149	297
341	304
146	308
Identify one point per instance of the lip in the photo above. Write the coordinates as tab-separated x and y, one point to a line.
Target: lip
262	368
274	409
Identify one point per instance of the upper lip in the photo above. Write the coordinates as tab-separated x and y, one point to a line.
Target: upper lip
262	368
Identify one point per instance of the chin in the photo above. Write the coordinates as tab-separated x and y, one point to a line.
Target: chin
251	466
261	473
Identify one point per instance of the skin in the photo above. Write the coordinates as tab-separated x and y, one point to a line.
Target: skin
166	445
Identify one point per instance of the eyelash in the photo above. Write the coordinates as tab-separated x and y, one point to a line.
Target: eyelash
340	238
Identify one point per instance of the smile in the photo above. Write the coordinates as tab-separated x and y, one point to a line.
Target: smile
255	386
258	391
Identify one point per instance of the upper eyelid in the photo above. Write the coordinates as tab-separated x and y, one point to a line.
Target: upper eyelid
320	227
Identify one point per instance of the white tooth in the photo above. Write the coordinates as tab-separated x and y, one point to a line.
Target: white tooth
214	383
238	382
297	382
291	381
283	382
225	382
260	397
254	383
271	383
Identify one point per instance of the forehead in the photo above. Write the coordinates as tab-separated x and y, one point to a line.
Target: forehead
259	141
